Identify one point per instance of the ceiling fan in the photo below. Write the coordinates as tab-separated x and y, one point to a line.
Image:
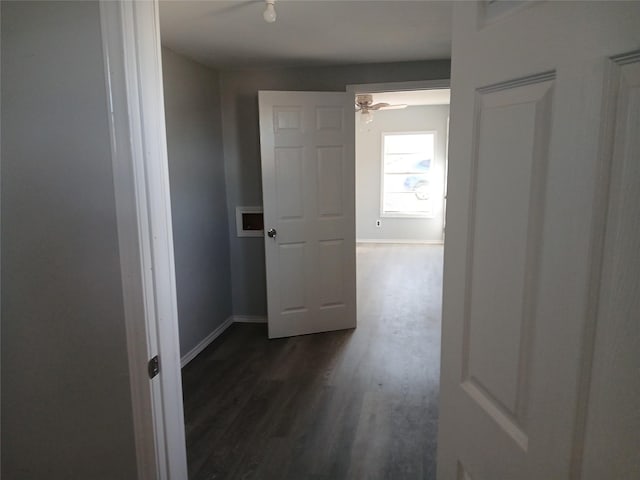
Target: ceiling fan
365	105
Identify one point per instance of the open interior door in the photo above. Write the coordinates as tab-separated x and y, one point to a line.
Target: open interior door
308	183
539	363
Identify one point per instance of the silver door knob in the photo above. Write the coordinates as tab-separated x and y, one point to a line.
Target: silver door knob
272	233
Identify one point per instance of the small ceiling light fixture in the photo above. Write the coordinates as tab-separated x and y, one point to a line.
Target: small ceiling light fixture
270	12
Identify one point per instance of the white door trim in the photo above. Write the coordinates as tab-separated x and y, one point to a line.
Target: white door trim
132	56
399	86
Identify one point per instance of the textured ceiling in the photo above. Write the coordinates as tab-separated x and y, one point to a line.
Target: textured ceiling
233	34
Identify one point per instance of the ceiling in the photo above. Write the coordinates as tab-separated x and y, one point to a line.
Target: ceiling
233	34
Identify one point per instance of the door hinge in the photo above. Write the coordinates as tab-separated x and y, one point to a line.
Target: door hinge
154	367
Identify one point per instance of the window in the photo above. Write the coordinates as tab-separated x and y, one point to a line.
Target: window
407	160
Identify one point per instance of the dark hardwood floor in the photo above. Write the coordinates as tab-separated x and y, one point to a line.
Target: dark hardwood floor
357	404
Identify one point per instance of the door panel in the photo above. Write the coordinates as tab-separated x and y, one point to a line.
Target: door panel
289	175
612	429
524	233
331	253
330	171
308	168
509	163
293	297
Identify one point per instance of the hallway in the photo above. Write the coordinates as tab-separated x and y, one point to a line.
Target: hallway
359	404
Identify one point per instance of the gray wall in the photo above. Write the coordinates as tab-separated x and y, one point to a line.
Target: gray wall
66	405
368	171
198	198
242	149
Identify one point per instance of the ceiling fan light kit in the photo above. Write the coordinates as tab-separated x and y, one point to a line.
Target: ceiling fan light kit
366	117
269	14
365	105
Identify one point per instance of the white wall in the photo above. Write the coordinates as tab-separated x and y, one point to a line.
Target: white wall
198	197
368	172
66	402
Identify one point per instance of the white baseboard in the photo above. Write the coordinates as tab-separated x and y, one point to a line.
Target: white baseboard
249	319
190	355
400	241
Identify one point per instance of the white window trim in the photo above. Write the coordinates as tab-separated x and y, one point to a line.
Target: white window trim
383	214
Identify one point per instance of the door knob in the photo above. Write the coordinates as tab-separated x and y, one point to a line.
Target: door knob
272	233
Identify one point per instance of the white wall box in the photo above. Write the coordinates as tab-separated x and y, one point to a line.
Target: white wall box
249	222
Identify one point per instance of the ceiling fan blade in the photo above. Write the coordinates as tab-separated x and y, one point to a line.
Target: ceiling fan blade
378	106
394	107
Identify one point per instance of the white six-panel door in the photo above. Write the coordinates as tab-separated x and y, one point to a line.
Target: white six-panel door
308	168
535	89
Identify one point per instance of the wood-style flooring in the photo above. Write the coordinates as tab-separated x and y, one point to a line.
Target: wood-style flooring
357	404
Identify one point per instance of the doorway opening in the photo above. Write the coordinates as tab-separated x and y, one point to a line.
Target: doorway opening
302	392
236	389
401	168
401	165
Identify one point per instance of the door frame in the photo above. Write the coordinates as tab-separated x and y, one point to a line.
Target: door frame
398	86
133	81
435	84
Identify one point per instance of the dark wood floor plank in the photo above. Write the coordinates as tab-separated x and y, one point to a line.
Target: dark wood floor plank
358	404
